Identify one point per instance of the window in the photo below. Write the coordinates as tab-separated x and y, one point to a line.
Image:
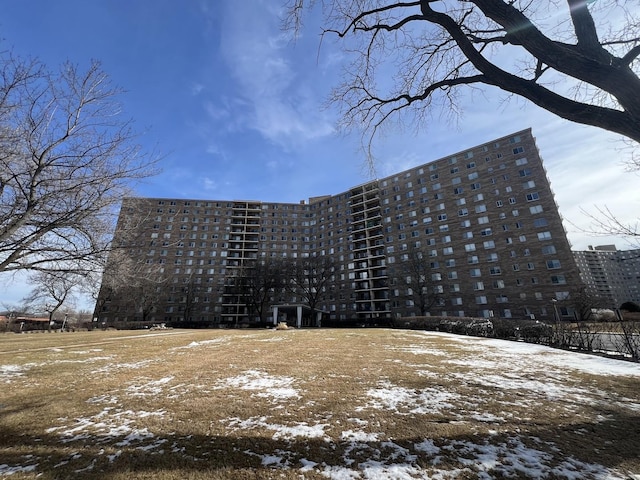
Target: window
553	264
558	280
481	208
483	220
540	222
458	190
442	217
518	150
525	172
475	186
548	250
466	223
473	175
495	271
532	196
498	284
536	209
477	286
492	257
475	272
467	235
463	212
470	247
521	161
486	232
489	244
473	259
544	236
452	275
481	300
447	251
529	184
478	197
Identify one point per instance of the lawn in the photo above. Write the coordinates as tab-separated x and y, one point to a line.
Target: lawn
292	404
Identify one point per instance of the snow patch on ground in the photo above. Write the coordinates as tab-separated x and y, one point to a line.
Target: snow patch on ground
265	385
9	372
285	432
152	388
122	366
202	343
407	401
106	426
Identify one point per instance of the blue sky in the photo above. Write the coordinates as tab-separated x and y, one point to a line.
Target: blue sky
237	109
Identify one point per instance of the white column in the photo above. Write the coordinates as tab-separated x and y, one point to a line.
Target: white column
275	316
299	321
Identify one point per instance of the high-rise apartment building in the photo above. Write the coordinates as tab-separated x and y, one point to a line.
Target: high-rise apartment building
611	274
482	222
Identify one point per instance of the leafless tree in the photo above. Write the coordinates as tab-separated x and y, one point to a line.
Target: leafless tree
139	284
145	293
413	273
605	222
67	157
190	292
52	290
258	284
409	60
309	277
585	301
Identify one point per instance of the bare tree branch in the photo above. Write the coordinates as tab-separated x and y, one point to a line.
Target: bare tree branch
67	158
408	59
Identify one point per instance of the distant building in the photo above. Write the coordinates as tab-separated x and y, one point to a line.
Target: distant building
484	221
614	275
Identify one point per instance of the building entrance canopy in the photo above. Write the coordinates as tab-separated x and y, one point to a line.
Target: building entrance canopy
303	314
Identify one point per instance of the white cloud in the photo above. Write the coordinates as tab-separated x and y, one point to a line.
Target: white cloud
280	106
196	88
209	184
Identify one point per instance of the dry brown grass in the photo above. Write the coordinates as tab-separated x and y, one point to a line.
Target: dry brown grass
177	405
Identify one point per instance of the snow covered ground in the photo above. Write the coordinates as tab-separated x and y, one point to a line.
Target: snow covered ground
361	446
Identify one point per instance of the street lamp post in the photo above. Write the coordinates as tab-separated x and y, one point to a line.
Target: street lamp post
556	316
